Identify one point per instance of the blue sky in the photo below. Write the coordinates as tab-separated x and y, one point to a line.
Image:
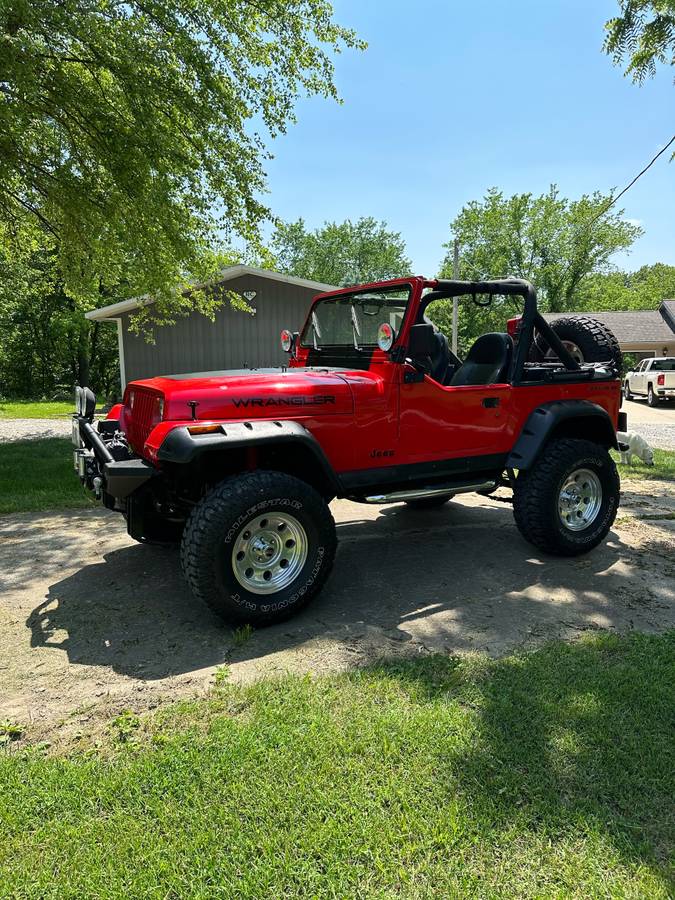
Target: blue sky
452	98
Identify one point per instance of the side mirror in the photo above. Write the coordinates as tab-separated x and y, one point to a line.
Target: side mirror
421	341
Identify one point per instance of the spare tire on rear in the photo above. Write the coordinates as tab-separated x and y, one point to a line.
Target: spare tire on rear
588	340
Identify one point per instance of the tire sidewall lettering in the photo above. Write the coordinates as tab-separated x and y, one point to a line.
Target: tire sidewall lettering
608	507
253	511
239	598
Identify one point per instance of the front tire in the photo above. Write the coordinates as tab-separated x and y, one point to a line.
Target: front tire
626	392
258	548
567	502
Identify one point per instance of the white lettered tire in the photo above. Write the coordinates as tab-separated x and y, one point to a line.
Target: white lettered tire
258	547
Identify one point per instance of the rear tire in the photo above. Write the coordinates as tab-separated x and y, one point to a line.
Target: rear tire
567	502
588	340
258	547
652	399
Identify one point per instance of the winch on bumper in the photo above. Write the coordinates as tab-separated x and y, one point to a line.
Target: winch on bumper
102	458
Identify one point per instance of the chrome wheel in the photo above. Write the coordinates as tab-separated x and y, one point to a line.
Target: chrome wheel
580	500
571	348
269	553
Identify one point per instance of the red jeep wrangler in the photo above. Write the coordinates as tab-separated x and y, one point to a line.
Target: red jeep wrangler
240	466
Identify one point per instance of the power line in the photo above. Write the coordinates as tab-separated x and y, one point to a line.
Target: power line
612	200
631	183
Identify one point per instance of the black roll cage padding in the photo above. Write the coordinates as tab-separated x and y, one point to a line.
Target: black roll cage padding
531	318
555	343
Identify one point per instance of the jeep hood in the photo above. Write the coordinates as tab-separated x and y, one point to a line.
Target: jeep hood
251	393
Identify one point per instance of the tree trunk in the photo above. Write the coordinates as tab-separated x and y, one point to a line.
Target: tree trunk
83	360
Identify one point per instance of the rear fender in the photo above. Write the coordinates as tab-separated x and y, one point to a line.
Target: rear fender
561	418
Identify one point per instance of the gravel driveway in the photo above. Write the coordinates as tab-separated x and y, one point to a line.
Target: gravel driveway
32	429
92	623
661	436
656	426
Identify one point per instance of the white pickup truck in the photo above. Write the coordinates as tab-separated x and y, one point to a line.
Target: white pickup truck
651	378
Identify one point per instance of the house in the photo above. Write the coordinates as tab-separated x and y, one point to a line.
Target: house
644	332
234	340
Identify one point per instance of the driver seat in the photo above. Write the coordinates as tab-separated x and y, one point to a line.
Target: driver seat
442	362
487	362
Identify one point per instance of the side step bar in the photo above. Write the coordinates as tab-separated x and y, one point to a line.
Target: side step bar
422	493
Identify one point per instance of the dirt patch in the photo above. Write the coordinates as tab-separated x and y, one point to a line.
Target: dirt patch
91	622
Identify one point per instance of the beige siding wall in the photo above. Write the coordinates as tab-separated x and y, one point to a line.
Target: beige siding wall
643	351
234	340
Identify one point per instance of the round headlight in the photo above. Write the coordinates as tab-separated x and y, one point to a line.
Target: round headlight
286	341
78	400
88	402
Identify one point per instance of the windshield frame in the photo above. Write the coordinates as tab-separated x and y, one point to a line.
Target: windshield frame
307	338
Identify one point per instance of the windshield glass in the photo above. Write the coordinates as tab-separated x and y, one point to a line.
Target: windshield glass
352	320
664	365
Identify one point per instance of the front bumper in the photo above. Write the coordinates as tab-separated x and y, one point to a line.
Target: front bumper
96	465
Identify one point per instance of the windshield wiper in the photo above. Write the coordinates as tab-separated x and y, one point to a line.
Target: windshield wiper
356	328
316	331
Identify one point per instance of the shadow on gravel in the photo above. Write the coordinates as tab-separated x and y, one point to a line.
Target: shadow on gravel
460	578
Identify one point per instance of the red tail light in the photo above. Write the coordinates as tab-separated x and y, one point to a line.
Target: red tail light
513	325
661	379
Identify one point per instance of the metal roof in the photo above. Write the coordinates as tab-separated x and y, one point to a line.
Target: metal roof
125	306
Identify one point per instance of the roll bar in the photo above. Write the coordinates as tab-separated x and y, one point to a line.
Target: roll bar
531	318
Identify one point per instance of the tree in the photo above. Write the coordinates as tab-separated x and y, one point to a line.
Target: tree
642	36
551	241
125	127
643	289
340	254
46	344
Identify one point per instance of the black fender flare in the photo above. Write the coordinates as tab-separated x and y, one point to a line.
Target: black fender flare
543	421
179	446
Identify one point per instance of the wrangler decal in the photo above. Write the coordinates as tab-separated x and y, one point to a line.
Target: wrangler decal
318	400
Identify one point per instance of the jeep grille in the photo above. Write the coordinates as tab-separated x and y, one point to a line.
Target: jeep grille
141	415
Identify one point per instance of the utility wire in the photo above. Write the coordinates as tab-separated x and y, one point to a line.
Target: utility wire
586	226
631	183
612	200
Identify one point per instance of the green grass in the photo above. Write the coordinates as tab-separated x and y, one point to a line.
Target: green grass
542	775
39	475
663	468
35	409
